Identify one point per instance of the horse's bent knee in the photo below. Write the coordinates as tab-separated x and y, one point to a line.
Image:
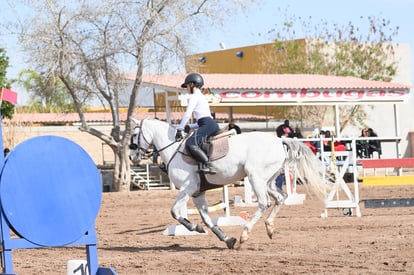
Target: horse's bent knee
173	214
264	207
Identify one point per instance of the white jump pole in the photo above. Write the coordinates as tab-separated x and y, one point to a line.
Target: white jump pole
248	194
293	197
227	220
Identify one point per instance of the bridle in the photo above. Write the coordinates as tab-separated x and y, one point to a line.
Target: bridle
137	146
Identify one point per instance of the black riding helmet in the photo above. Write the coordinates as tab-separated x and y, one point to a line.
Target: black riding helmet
194	78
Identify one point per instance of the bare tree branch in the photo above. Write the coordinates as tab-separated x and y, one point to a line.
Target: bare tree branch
90	45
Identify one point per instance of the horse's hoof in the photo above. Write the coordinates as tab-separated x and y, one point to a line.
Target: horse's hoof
231	243
244	236
243	239
237	245
270	233
199	228
269	229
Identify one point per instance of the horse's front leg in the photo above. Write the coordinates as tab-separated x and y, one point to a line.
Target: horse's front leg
181	203
202	207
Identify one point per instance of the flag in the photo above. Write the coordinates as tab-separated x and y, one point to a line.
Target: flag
8	95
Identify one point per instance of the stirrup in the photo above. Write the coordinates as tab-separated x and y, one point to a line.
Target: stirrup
206	168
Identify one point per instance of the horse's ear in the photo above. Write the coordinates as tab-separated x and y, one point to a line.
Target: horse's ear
136	121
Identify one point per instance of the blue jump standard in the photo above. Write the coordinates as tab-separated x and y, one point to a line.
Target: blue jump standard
50	194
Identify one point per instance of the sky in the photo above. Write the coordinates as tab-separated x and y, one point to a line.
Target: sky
253	27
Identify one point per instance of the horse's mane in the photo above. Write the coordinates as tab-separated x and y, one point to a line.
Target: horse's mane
162	123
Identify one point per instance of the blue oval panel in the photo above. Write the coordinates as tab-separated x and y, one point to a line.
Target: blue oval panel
50	191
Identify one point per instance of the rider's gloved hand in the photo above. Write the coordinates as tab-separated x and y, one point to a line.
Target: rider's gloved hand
178	135
187	129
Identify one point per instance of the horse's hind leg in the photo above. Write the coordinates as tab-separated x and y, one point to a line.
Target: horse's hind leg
202	207
275	209
179	204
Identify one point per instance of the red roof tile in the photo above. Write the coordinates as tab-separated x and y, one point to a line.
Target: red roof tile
70	118
58	118
219	81
269	81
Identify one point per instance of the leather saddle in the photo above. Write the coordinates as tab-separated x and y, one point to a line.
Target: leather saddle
215	147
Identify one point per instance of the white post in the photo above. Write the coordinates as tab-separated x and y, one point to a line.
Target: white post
293	197
167	107
397	133
355	173
337	125
147	176
289	189
226	200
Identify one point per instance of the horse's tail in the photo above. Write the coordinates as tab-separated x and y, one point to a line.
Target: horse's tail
307	166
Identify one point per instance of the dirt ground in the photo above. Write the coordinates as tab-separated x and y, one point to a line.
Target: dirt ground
130	239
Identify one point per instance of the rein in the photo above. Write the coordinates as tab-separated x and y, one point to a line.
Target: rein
151	144
175	153
165	147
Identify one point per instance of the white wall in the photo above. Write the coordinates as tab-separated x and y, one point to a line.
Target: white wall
381	118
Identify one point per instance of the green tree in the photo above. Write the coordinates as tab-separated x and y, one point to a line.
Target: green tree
46	91
332	49
7	109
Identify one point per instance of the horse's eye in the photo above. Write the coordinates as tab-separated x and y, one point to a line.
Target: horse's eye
133	146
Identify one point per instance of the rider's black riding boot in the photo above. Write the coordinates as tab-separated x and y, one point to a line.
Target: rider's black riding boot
199	155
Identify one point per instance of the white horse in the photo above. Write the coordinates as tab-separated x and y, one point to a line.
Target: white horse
257	155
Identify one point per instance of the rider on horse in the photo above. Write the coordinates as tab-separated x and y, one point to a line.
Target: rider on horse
197	104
